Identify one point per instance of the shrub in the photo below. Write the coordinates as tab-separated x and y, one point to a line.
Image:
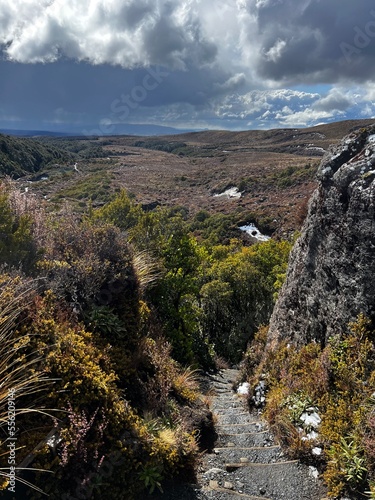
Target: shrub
337	382
17	247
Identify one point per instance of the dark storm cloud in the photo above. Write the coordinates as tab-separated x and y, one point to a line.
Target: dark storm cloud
280	40
82	93
185	61
315	40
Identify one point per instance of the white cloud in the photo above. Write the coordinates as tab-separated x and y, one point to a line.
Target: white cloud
370	91
307	117
335	100
368	111
275	52
232	83
263	104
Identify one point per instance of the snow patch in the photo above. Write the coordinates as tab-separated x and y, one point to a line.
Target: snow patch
311	418
326	171
253	231
243	389
232	192
316	148
310	436
313	472
317	451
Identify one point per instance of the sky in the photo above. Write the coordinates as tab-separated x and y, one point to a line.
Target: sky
94	66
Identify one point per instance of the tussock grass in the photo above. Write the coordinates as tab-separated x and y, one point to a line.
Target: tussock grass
20	375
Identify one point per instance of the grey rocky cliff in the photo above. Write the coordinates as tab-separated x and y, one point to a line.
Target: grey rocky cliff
331	274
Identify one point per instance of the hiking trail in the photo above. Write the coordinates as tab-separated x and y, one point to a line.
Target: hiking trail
246	463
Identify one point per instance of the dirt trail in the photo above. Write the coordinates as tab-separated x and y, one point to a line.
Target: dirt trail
246	463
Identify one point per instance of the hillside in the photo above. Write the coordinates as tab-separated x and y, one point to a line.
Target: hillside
20	157
274	171
114	301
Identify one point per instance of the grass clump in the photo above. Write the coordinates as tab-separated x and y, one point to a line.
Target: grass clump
22	378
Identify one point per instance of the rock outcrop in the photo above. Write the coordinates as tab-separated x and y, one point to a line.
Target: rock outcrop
331	272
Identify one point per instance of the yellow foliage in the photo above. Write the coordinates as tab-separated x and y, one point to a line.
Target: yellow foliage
186	385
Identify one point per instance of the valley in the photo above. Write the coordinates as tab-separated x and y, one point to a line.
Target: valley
274	171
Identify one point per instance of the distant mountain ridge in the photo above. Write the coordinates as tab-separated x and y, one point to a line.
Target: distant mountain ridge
94	131
33	133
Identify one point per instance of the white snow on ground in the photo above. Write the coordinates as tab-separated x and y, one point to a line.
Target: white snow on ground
232	192
254	232
317	451
310	436
243	389
316	148
313	472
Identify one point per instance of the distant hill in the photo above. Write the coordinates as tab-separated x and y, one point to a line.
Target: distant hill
33	133
142	129
23	156
324	134
273	170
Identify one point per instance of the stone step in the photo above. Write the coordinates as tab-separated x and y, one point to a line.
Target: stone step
222	390
227	380
228	394
254	426
233	418
216	492
220	380
226	398
227	405
232	411
245	440
228	377
232	467
278	481
230	371
255	454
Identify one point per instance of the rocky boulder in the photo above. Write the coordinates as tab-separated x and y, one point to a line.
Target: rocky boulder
331	274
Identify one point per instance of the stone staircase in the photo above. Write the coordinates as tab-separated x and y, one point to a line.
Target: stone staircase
246	463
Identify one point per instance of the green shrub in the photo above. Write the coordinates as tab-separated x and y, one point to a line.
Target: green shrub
17	246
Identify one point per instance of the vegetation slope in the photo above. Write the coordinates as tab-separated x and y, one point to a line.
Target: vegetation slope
109	306
105	317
